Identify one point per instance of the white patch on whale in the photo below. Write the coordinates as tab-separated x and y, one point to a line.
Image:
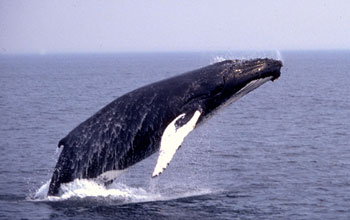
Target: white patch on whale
109	175
171	141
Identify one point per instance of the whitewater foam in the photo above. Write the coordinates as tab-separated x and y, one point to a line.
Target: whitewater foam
119	192
83	188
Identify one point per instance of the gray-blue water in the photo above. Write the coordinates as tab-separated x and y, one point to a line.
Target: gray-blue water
281	152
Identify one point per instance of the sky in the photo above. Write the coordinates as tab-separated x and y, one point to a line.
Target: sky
85	26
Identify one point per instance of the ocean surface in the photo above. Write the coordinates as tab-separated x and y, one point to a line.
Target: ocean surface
280	152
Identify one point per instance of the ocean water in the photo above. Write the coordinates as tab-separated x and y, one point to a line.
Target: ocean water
280	152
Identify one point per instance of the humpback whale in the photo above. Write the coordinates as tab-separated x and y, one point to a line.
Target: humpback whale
155	117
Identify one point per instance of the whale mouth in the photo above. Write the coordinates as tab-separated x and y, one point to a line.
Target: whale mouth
252	85
248	88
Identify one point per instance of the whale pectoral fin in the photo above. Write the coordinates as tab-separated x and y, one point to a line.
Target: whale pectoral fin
172	139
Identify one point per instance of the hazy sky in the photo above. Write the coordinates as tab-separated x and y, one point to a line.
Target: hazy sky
163	25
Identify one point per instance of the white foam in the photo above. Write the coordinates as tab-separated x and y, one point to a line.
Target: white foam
83	188
122	193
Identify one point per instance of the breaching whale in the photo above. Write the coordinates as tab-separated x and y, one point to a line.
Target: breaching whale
154	117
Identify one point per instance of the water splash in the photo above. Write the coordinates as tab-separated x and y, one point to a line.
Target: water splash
218	59
117	192
279	55
246	55
83	188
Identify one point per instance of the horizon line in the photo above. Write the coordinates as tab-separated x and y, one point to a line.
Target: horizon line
168	51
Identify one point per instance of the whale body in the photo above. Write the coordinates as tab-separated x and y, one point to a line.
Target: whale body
156	117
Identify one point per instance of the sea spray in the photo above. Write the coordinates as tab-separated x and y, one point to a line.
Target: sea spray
83	188
279	55
116	192
246	55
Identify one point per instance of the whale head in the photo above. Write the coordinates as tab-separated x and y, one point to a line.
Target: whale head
244	71
223	83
